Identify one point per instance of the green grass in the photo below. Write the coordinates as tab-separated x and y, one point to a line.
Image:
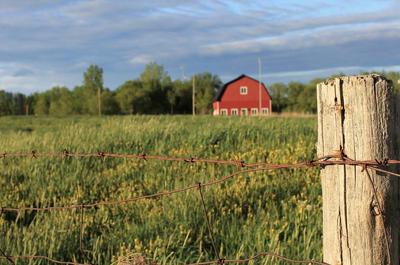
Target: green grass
278	211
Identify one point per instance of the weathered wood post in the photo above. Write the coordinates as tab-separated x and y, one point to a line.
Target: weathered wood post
357	114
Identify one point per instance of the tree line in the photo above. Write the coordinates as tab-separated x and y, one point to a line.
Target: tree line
300	97
153	92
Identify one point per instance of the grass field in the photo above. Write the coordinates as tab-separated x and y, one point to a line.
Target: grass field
278	211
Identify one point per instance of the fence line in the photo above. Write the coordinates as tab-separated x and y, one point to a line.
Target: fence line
218	261
337	158
324	160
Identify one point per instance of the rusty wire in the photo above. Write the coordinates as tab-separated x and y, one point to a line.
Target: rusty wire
338	158
324	160
31	257
259	255
319	162
209	227
380	213
219	261
5	256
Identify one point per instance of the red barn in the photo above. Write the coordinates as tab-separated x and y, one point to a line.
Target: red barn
242	96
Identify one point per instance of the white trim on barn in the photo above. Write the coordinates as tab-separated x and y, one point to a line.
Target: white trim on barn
243	90
223	112
264	111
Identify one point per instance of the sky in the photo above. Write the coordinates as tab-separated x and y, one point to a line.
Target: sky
46	43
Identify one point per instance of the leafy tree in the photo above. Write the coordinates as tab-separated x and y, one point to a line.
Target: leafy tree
395	78
18	104
61	101
294	91
206	85
132	98
93	85
172	98
279	94
79	100
5	103
183	96
110	104
156	83
42	103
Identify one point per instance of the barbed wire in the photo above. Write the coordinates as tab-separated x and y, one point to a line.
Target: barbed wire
323	160
336	158
319	162
219	261
33	257
259	255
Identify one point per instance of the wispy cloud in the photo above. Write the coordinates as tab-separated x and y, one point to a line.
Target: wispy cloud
141	59
309	38
50	42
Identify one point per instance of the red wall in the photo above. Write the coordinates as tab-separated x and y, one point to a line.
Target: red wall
233	99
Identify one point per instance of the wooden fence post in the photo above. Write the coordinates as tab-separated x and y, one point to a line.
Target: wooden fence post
357	118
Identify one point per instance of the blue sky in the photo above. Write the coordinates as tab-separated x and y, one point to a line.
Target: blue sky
44	43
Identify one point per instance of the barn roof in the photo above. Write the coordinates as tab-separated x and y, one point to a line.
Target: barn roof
221	91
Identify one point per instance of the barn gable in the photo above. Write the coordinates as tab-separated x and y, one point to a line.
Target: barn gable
221	91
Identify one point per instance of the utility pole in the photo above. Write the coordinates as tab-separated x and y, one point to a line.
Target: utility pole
194	96
259	86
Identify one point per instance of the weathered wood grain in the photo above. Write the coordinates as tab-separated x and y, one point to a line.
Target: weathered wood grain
358	114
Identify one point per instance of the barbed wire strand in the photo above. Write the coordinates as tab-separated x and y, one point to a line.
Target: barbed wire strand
219	261
119	202
31	257
324	160
209	227
268	167
259	255
143	156
381	213
81	233
262	166
4	255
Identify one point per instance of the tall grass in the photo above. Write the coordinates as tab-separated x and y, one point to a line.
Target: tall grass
277	211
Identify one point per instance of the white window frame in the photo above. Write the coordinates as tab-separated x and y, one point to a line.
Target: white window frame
223	112
254	111
245	110
243	90
234	112
264	111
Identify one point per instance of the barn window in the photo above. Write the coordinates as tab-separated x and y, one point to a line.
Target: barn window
234	112
254	111
264	111
224	112
243	90
243	112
